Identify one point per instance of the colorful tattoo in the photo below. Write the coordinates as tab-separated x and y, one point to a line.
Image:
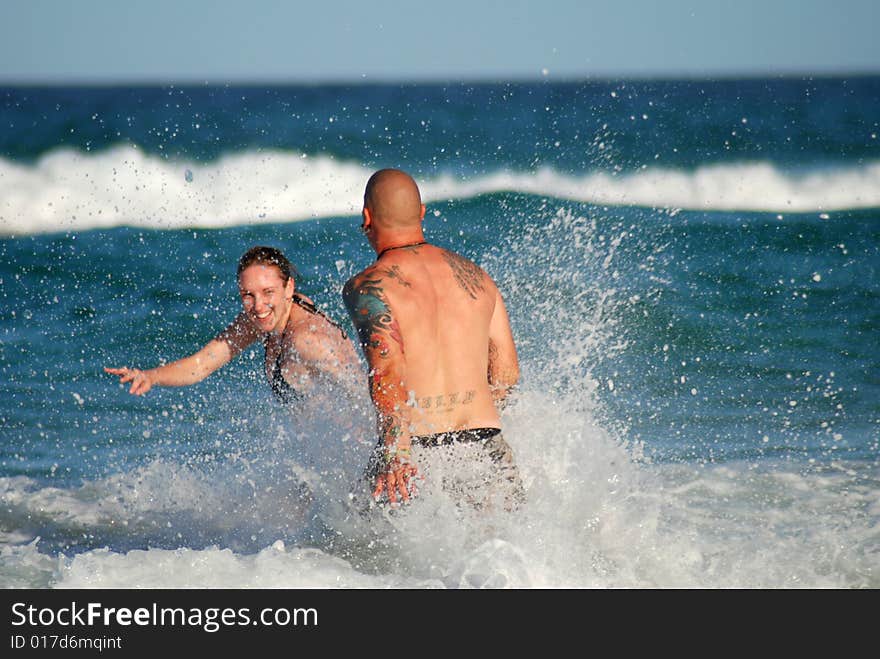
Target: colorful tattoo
371	315
377	328
466	273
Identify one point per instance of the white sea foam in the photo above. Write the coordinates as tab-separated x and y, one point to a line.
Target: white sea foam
70	190
595	517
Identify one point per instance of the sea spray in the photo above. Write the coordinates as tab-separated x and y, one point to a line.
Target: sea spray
693	298
66	190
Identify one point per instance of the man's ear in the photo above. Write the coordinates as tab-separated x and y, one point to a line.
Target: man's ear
368	219
290	287
422	213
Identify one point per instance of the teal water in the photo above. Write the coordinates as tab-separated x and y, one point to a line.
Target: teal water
690	270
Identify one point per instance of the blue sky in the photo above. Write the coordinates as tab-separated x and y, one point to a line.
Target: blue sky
346	40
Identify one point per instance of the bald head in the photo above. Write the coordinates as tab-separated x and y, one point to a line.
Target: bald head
393	199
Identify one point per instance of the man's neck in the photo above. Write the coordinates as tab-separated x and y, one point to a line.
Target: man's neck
399	241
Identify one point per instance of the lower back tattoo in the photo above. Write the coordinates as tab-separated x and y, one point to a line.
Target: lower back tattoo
441	401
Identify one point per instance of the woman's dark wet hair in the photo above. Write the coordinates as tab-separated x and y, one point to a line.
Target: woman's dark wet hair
267	256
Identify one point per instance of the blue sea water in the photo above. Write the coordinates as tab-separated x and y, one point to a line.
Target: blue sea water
691	271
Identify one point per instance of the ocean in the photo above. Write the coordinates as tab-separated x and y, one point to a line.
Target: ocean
691	272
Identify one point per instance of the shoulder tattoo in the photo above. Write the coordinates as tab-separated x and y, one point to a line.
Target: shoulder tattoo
466	273
394	273
368	307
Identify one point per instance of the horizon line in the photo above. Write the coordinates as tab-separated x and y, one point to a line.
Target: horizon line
623	76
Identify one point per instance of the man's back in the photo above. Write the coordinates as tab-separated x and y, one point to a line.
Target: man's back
444	305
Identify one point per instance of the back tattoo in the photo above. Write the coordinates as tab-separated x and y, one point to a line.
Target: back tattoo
466	273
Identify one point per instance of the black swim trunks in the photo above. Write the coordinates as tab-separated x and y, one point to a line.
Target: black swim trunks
469	435
475	465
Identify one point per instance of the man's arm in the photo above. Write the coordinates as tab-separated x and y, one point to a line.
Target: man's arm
382	344
503	372
193	368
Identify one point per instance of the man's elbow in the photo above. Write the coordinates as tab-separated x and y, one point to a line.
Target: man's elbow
505	379
511	381
514	375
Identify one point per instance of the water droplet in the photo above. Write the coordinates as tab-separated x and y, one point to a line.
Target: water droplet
188	175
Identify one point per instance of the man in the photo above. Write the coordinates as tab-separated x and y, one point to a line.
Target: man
436	336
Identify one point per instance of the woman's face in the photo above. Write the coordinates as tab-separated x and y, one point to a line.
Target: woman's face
265	296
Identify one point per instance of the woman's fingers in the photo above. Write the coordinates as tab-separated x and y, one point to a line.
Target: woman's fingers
140	383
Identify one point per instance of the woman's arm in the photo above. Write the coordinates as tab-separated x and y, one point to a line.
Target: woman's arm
196	367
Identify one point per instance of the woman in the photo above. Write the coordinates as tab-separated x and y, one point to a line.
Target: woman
304	348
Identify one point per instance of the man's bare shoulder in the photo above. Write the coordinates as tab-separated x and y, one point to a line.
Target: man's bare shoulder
385	278
363	280
470	277
365	297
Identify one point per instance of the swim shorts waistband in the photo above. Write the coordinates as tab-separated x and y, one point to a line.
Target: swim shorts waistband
452	436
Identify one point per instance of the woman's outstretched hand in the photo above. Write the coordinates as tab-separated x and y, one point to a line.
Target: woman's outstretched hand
140	380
